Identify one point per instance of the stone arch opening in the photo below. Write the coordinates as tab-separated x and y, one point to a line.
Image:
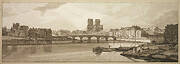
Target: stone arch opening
110	38
77	38
93	38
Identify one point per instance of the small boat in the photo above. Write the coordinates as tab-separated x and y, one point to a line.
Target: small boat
99	50
124	48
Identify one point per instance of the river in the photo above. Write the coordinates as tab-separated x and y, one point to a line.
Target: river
63	52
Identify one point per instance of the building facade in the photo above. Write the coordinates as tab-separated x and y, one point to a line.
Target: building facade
78	32
126	32
155	34
18	30
39	33
97	27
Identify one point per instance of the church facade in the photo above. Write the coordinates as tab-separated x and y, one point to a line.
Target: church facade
97	27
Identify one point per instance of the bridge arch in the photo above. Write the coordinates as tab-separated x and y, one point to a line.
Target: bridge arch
93	37
90	37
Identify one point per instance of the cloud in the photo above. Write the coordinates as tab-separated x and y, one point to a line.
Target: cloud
7	12
48	6
169	17
15	9
74	16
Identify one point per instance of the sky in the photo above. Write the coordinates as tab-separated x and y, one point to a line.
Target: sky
74	16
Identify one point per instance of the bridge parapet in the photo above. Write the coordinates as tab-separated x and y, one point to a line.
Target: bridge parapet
89	36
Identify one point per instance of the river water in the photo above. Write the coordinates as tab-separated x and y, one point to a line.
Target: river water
62	52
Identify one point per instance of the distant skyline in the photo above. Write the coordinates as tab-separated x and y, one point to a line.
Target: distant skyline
74	16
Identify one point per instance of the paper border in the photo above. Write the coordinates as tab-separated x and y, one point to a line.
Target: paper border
90	1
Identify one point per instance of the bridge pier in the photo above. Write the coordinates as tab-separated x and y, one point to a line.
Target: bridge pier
73	39
81	39
89	39
98	39
106	38
114	38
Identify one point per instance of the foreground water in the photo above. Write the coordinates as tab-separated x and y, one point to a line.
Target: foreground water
63	52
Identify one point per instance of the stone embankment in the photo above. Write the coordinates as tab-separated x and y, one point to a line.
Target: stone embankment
154	52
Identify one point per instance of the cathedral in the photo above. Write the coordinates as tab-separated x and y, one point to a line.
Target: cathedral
97	27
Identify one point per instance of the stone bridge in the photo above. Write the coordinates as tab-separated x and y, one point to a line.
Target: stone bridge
90	36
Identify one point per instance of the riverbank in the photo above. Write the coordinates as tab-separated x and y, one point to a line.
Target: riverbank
154	53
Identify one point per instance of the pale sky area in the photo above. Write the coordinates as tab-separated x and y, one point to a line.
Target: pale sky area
73	16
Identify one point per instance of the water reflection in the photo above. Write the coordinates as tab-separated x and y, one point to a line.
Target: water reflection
9	49
61	52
